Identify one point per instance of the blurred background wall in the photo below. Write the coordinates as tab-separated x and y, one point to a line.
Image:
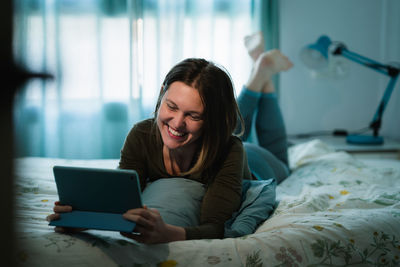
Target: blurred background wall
347	95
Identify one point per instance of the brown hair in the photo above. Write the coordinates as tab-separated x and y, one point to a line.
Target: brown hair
221	112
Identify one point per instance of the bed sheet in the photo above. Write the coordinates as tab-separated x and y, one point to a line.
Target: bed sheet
334	210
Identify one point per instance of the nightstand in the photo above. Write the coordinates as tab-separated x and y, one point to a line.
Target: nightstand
390	149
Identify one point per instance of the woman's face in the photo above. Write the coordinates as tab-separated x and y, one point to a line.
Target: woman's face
180	116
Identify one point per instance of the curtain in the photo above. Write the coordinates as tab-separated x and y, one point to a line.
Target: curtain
109	58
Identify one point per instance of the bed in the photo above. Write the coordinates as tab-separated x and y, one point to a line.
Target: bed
333	210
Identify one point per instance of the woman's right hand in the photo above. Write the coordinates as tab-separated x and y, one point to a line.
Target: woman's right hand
58	208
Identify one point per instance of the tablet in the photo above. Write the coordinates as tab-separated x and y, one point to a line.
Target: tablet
98	197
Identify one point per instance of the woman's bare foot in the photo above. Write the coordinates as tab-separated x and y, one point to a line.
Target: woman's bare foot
267	64
254	44
268	87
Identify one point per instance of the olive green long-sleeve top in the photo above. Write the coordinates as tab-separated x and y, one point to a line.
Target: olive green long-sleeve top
142	152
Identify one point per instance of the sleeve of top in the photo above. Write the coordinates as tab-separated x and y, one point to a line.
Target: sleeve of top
222	197
130	158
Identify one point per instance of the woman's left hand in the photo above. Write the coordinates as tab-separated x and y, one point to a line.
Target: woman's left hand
151	227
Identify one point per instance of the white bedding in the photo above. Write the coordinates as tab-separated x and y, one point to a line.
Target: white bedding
333	210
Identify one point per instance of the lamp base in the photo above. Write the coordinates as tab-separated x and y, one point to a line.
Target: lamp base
364	140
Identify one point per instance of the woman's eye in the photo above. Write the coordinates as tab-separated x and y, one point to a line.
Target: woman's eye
195	117
171	107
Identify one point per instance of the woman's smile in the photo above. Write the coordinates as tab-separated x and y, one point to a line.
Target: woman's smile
175	133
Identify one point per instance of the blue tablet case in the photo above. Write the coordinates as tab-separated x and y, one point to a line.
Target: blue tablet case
98	197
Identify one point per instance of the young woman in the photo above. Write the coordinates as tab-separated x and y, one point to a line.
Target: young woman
192	136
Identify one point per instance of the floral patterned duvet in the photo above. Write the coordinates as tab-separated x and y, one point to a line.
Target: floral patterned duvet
334	210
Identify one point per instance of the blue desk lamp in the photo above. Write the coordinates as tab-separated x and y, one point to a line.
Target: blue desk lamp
315	56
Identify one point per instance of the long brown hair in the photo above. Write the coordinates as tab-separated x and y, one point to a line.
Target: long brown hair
221	112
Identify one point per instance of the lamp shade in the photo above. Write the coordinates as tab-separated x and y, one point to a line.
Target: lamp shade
315	56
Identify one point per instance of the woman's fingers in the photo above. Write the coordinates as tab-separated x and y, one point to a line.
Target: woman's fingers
61	208
145	212
145	217
52	217
142	212
140	220
155	211
150	228
58	208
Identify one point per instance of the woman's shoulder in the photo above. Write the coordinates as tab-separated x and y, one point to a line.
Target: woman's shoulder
144	126
233	150
235	142
142	132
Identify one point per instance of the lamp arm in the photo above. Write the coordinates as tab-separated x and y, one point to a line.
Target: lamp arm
367	62
388	70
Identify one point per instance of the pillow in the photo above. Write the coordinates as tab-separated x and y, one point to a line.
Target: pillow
258	203
182	207
177	199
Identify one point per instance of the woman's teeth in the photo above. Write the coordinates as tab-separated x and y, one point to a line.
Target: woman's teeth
172	131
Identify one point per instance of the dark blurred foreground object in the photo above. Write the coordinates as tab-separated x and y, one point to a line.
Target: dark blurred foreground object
12	77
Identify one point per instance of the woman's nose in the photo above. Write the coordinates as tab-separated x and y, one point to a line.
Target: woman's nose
179	121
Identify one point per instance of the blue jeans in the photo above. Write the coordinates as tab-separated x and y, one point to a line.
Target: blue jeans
268	158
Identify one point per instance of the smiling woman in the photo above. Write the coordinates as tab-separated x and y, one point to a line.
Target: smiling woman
188	138
192	137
